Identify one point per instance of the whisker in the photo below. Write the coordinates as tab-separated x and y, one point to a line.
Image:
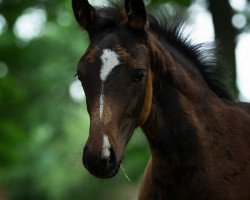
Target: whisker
124	172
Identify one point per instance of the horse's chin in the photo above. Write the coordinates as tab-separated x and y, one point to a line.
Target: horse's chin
108	173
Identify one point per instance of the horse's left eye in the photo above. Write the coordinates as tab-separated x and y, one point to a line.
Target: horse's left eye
138	75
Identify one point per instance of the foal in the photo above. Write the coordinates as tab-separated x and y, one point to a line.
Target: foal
138	71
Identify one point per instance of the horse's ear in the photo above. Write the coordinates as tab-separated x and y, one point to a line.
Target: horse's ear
136	12
84	13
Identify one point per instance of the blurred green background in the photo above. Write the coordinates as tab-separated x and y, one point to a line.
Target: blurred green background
43	118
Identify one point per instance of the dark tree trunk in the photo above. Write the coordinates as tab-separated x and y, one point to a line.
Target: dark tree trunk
226	34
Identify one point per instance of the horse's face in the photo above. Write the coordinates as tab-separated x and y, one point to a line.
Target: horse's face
117	82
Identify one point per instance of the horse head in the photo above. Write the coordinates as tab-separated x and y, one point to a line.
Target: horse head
117	81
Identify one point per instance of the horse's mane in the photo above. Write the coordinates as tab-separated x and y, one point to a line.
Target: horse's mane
202	55
172	28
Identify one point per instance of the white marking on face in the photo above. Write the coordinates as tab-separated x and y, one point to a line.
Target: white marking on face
110	60
101	102
105	147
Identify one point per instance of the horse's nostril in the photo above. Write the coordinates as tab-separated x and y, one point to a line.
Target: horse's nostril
112	157
85	159
111	160
107	159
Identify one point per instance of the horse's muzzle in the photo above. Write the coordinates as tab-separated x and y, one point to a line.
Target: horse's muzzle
100	166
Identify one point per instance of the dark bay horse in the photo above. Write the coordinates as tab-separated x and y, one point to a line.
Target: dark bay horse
139	70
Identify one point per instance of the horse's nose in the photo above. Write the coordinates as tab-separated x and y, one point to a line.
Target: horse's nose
101	164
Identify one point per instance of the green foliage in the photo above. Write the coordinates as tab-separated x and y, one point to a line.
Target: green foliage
154	3
42	131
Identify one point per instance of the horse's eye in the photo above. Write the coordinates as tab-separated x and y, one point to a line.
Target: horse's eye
138	75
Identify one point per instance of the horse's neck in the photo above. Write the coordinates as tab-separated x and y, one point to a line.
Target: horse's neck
179	95
176	152
186	125
172	128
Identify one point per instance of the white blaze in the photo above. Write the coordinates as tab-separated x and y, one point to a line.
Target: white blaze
105	147
110	60
101	102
